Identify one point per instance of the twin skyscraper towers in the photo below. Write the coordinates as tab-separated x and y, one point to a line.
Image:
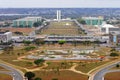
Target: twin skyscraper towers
59	15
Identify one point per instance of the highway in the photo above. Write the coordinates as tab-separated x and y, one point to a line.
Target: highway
13	72
99	75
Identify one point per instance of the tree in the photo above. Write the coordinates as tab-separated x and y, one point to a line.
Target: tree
29	75
97	42
54	79
117	65
37	78
28	48
27	42
18	33
113	54
112	50
39	61
36	24
61	42
48	63
38	42
63	64
86	43
82	21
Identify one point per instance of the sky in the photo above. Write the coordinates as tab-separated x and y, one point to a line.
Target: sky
59	3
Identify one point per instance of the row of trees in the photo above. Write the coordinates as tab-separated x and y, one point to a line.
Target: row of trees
28	48
39	23
61	42
81	21
37	42
31	75
36	24
113	53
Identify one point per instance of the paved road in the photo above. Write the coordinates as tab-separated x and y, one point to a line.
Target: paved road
100	74
13	72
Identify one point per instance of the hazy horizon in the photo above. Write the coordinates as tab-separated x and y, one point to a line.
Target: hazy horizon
59	4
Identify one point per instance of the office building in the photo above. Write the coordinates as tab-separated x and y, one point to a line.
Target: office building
26	22
93	20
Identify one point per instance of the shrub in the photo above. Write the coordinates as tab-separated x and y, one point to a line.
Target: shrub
113	54
117	65
29	48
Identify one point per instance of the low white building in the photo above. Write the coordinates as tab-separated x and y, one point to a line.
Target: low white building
5	36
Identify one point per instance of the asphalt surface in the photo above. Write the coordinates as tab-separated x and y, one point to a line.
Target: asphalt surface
13	72
100	74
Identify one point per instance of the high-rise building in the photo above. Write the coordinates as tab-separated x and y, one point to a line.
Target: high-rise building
58	15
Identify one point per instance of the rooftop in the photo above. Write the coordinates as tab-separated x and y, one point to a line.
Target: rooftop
4	32
100	17
108	26
28	18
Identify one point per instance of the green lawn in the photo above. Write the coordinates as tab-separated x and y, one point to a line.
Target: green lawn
86	67
60	65
62	75
60	28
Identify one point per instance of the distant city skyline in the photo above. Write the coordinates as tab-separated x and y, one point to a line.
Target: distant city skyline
59	3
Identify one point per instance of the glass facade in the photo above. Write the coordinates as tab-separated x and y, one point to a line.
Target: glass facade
30	24
23	23
93	21
26	22
14	23
114	39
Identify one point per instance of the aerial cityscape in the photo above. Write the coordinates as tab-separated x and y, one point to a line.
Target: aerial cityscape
65	42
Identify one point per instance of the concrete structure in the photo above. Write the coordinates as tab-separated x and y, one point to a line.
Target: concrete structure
93	20
74	38
107	28
5	37
19	39
26	22
58	15
86	51
106	38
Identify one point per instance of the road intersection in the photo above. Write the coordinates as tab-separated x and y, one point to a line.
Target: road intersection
99	74
12	72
